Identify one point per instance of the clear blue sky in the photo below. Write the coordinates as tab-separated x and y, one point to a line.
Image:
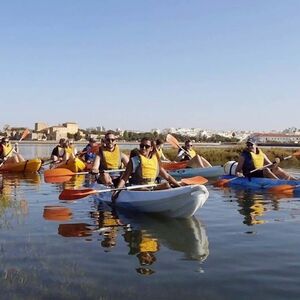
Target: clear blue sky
138	64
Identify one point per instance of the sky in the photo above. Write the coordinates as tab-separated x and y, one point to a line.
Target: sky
139	65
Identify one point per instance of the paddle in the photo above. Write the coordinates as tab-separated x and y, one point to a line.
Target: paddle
283	189
223	182
173	141
71	194
24	134
66	172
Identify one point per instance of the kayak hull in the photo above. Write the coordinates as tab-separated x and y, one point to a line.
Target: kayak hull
27	166
180	202
214	171
257	183
75	165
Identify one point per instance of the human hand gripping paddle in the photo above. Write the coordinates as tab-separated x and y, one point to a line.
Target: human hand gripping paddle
23	136
173	141
71	194
224	182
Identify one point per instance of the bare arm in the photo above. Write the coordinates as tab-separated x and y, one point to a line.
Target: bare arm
163	173
239	168
124	159
126	175
96	165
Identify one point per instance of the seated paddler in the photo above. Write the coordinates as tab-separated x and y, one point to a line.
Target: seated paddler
144	167
253	160
109	158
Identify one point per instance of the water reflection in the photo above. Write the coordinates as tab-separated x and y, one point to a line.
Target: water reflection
254	204
144	235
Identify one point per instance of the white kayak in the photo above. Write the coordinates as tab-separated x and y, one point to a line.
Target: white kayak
180	202
214	171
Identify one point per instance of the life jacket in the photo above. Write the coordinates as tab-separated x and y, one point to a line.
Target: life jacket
148	244
7	150
110	160
191	153
252	161
159	152
145	170
69	150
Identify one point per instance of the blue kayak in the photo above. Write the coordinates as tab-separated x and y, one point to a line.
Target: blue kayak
258	183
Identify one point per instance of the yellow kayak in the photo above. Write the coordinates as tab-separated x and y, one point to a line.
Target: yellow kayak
28	166
75	165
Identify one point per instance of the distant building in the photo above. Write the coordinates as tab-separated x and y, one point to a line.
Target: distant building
72	127
276	138
40	126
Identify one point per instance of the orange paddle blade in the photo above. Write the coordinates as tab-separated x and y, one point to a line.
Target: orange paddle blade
70	194
297	153
194	180
57	213
58	172
172	140
221	182
25	133
283	188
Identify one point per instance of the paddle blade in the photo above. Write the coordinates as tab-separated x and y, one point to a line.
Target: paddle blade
172	140
282	189
297	153
70	194
194	180
25	133
221	183
57	213
58	172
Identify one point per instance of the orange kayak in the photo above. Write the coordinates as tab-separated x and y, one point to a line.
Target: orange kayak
28	166
172	165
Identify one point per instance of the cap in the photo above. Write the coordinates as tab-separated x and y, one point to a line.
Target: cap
251	141
92	140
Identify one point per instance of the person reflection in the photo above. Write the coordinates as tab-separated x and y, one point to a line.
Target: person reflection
108	224
251	207
144	247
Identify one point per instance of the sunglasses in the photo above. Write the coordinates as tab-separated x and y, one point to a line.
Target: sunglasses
249	145
110	140
189	145
142	146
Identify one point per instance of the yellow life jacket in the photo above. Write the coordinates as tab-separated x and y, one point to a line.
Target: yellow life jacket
7	150
150	168
69	150
111	160
192	153
258	159
159	152
148	245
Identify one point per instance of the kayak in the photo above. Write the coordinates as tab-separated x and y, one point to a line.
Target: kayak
29	166
173	165
180	202
257	183
214	171
75	165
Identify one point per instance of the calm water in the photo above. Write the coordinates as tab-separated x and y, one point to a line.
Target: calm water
240	245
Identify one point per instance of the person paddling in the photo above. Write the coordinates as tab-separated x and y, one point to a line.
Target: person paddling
109	157
144	167
188	153
9	153
253	158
